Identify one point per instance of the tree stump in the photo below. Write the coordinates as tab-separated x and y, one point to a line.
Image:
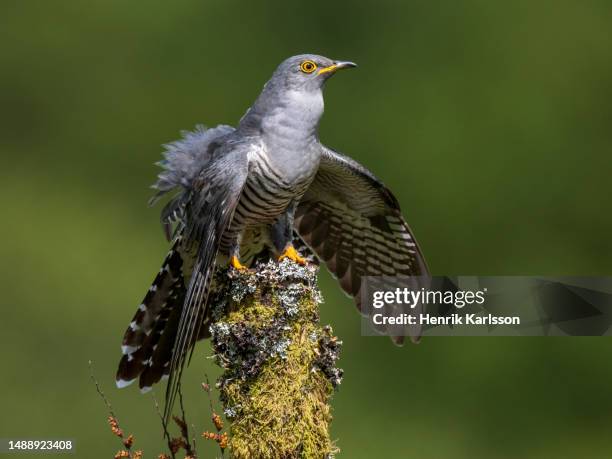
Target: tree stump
279	363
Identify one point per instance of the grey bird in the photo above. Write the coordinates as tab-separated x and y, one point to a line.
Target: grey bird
261	190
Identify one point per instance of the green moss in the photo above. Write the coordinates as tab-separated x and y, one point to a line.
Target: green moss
275	388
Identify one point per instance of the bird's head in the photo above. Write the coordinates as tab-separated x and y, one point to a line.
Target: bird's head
307	72
294	94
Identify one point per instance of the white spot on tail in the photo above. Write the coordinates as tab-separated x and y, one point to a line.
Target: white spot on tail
121	383
128	349
142	307
145	389
134	326
153	288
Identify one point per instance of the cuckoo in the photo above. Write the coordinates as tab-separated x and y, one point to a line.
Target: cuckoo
266	188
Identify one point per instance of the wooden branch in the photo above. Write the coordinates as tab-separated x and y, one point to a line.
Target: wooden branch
279	363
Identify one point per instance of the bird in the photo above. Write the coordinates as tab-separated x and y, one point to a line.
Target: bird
265	188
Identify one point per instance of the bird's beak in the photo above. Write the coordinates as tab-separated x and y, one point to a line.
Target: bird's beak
339	65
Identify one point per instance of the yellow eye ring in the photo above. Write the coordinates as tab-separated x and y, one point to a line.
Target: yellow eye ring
308	66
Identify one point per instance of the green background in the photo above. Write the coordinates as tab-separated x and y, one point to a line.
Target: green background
490	121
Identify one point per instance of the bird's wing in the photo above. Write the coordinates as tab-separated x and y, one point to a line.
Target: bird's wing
181	166
208	212
354	225
185	158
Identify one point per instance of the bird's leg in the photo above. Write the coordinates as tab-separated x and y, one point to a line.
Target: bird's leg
235	255
282	236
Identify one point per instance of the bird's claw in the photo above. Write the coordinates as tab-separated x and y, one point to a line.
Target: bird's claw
235	263
293	255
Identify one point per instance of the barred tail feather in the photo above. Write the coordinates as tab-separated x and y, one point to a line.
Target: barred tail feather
148	340
160	353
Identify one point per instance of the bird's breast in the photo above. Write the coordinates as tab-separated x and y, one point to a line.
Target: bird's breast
271	187
286	172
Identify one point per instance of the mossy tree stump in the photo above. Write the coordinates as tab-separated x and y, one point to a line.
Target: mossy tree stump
279	363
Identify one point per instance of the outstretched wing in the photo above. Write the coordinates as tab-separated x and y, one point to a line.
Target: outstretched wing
354	224
209	209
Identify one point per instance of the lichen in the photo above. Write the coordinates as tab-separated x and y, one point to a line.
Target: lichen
329	352
279	363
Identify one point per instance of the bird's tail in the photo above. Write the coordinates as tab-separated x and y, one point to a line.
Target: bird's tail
149	339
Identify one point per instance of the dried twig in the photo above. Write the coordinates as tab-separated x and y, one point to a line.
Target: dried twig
164	425
184	427
220	438
99	389
127	442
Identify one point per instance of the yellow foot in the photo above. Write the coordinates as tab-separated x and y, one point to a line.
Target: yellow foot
292	254
236	264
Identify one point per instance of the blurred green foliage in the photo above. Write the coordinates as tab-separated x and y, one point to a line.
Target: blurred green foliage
489	120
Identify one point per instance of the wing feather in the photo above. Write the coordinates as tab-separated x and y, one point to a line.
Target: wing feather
354	225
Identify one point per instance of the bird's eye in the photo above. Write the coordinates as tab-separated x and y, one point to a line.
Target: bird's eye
308	66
